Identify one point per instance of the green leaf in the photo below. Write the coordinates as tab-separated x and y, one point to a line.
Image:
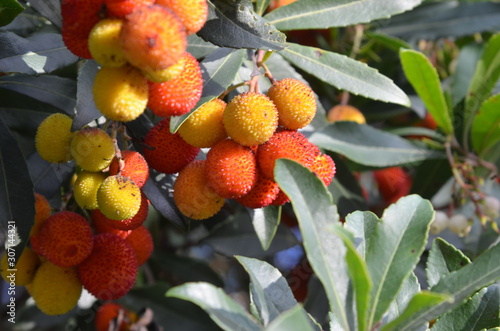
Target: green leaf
485	77
316	213
232	23
198	47
408	290
425	80
345	73
9	9
49	177
360	277
395	248
38	54
466	64
485	130
479	313
362	225
50	9
293	319
443	259
54	90
218	69
433	20
322	14
17	199
265	222
269	290
261	6
86	110
422	300
367	145
226	312
460	285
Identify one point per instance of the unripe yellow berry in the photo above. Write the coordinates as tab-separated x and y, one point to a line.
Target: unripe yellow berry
25	267
85	189
119	198
53	138
120	94
104	43
345	113
92	148
250	118
204	128
55	289
164	75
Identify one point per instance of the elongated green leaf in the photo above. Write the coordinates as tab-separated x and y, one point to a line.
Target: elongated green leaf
17	200
486	125
360	277
86	110
322	14
269	289
198	47
316	213
466	64
395	248
425	80
362	225
485	77
460	285
50	9
9	9
435	19
345	73
235	24
38	54
443	259
293	319
265	222
261	6
422	300
227	313
218	69
478	313
408	290
367	145
54	90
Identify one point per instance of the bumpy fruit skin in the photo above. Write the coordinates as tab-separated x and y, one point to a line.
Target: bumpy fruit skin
262	194
104	43
295	102
193	196
134	166
26	266
92	148
231	169
109	272
101	225
53	138
56	289
281	199
286	144
121	8
153	37
130	223
345	113
119	198
65	239
106	313
85	189
324	168
78	18
120	94
42	213
192	13
165	151
142	243
250	118
204	127
163	75
179	95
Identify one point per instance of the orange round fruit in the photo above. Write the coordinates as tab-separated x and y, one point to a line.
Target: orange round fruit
192	13
121	8
142	243
345	113
42	213
134	166
107	315
324	168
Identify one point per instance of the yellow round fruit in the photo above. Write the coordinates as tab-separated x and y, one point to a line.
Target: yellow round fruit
23	272
92	148
345	113
55	289
120	94
204	127
104	43
53	138
164	75
85	189
119	198
250	118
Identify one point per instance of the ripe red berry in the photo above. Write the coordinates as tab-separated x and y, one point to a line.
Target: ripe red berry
134	166
263	193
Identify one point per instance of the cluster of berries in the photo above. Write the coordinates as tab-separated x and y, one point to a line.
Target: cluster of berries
245	137
141	48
